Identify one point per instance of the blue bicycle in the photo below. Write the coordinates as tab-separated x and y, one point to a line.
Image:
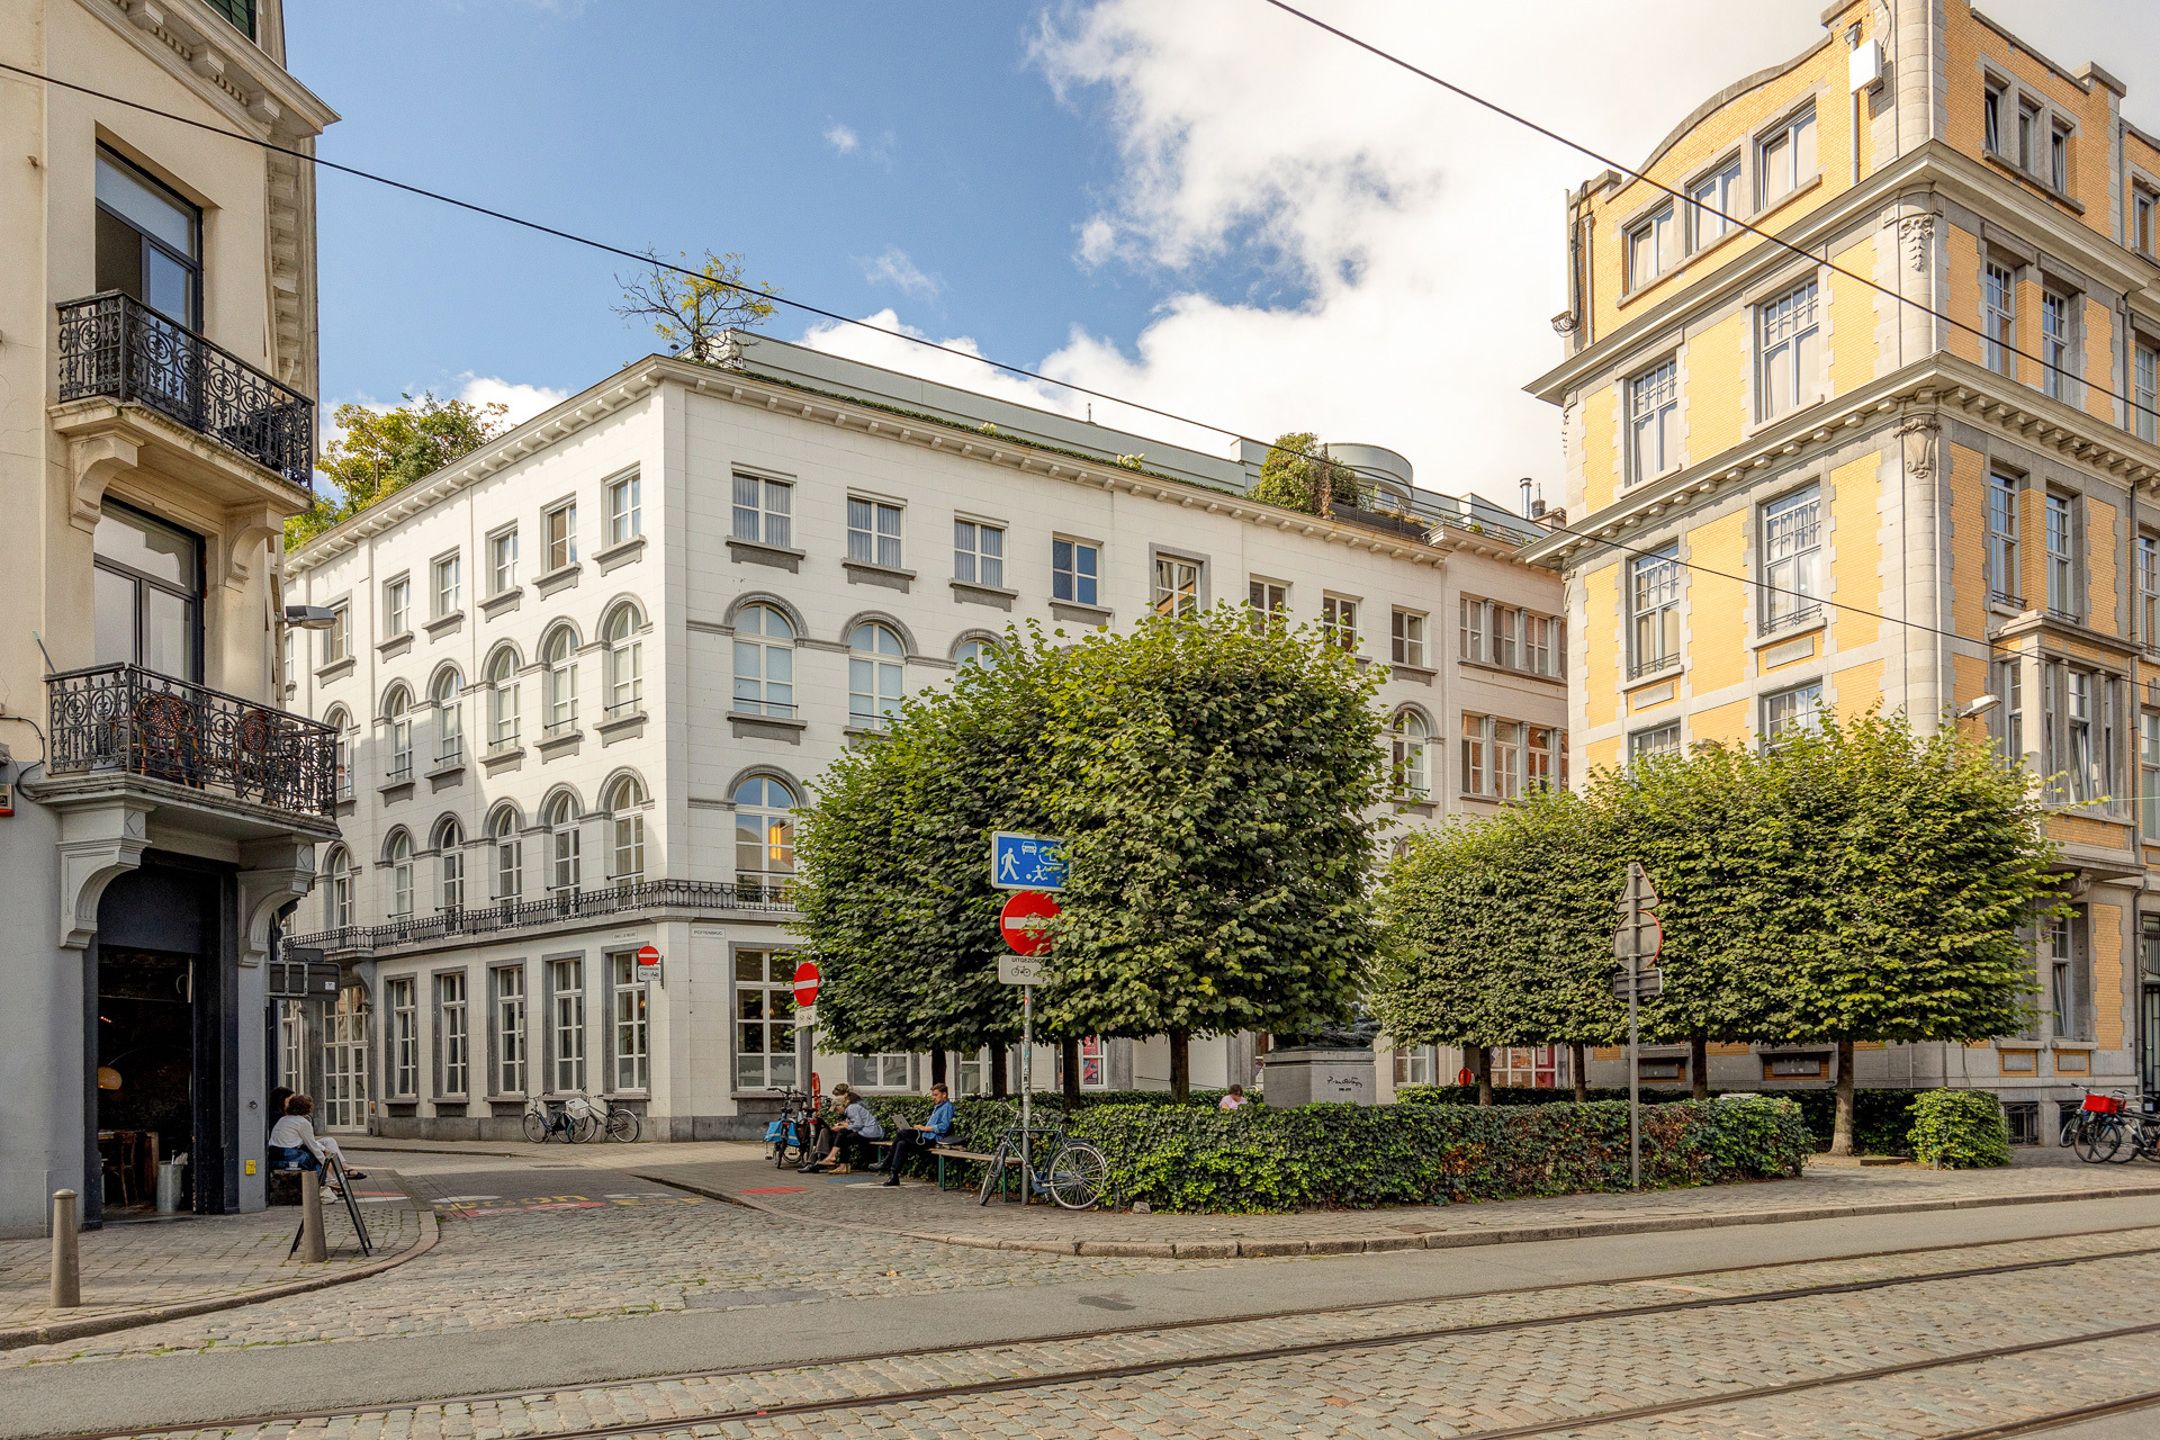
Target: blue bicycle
791	1134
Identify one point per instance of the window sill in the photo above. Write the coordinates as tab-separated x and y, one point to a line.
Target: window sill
1514	673
1694	257
865	732
335	670
2032	181
443	625
1421	674
757	552
565	743
861	572
499	759
615	725
444	768
1415	804
767	727
563	577
397	789
2086	1045
395	646
967	592
1671	670
1811	626
623	552
1073	610
502	602
1763	423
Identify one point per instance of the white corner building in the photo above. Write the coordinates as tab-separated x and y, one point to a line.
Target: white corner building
583	676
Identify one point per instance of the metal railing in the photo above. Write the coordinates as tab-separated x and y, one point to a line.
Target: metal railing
113	345
553	909
129	720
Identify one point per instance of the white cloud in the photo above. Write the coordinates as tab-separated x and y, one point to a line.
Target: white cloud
524	401
895	268
842	138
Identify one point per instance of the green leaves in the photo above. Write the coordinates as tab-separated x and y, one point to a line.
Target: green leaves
1297	476
1959	1130
379	452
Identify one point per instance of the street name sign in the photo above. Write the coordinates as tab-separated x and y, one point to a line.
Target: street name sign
1026	862
1014	970
1024	922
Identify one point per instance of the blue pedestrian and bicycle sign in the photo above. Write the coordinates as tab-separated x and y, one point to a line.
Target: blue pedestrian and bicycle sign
1026	862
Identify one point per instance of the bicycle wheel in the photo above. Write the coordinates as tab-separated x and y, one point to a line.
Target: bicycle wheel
536	1126
1079	1175
585	1129
2098	1139
623	1125
993	1171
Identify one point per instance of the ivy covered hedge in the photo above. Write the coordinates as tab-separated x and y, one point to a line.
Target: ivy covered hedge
1959	1130
1882	1123
1193	1158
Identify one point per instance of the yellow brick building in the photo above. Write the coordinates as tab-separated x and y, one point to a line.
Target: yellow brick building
1907	457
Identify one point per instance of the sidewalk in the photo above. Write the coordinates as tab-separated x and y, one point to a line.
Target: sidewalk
919	1211
141	1271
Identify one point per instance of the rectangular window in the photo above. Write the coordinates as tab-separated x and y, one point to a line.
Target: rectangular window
558	534
1475	618
1094	1063
1653	421
1406	638
2144	213
1540	642
2149	773
1505	635
885	1071
1716	204
2080	711
1269	601
873	532
1075	567
2148	590
404	1037
1416	1065
2028	137
566	1024
502	551
1658	740
337	640
2057	368
2145	393
452	1043
1654	610
1785	158
2006	722
2062	540
1789	350
764	1019
1177	585
149	245
1541	758
509	1009
2059	159
1991	117
1796	711
563	858
452	861
1507	749
446	585
397	608
979	553
2004	586
1649	245
627	1015
1338	617
1998	316
764	511
1476	774
2070	976
625	511
1792	559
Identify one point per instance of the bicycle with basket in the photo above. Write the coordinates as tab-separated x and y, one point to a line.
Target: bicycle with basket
2106	1128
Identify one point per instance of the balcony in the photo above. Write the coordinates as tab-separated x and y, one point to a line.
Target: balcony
113	347
124	720
562	907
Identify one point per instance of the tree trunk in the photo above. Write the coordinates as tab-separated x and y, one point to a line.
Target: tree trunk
937	1067
1000	1071
1699	1065
1181	1064
1841	1134
1481	1071
1069	1062
1579	1063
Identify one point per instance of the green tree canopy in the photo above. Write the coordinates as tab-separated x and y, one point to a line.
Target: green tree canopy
691	305
1297	475
379	452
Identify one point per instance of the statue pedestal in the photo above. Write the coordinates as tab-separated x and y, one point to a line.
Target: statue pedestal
1301	1076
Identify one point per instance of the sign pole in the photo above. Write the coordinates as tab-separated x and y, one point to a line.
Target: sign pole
1027	1090
1634	1085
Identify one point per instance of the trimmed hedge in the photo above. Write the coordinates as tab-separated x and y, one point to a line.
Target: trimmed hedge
1959	1130
1882	1119
1257	1159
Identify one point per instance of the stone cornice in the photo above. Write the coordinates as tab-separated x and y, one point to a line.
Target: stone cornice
204	50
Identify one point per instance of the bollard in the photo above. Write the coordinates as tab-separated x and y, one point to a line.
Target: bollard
66	1260
312	1248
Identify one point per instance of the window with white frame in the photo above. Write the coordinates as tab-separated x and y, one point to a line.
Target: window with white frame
446	585
288	660
1406	637
974	651
398	863
764	511
2070	975
337	639
1789	350
502	682
509	1028
2057	371
625	510
2004	584
1269	601
1416	1065
2144	220
886	1070
1998	315
1544	757
1792	559
1339	620
558	654
397	608
1507	756
2059	158
1650	244
1094	1063
399	997
764	832
2148	589
292	1044
626	1013
625	656
2145	392
625	805
2080	716
558	536
566	1024
446	693
1476	766
1654	610
2006	721
764	662
560	819
2028	137
873	532
876	675
397	730
502	553
2149	773
1543	644
338	902
1177	585
453	1047
341	726
1474	618
1793	711
1653	421
448	843
2064	593
1714	204
1992	100
507	842
1492	756
1410	744
1785	157
979	553
1653	742
1075	571
345	1061
764	1019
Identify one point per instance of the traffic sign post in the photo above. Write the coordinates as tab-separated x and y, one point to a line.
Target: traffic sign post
1026	862
1024	921
1638	943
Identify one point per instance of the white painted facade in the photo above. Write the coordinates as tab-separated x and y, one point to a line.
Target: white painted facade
702	767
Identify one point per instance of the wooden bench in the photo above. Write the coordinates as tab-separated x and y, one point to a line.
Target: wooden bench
941	1154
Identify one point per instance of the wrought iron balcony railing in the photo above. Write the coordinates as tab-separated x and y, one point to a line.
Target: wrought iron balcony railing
113	345
128	720
553	909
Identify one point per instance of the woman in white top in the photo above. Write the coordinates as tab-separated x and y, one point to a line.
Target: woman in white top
294	1145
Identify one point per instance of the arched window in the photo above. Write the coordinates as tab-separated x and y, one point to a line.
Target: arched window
625	804
875	658
558	652
560	817
1410	742
444	693
397	730
509	847
502	681
338	901
398	860
625	660
764	831
764	662
974	651
448	842
341	724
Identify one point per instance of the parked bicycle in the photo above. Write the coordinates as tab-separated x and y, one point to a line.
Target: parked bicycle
2107	1129
573	1118
617	1122
1071	1172
791	1132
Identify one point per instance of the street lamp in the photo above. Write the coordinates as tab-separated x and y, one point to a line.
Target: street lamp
310	617
1979	705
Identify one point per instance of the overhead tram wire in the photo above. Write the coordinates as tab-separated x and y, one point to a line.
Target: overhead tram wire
605	247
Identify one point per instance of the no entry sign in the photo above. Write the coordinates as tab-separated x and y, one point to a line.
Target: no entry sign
648	956
1024	922
807	976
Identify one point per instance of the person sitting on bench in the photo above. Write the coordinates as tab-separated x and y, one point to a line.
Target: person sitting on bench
921	1139
852	1132
294	1145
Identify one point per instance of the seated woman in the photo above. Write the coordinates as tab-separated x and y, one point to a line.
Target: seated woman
294	1145
851	1133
